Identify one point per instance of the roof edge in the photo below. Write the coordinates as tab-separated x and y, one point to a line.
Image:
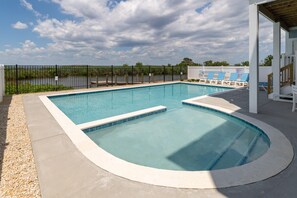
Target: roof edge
260	1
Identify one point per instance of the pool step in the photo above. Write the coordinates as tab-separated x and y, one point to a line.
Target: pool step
249	150
221	154
236	154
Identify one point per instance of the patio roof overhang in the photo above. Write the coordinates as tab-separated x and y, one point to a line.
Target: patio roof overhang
283	14
283	11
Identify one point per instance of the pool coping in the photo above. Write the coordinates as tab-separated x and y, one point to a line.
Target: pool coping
276	159
123	117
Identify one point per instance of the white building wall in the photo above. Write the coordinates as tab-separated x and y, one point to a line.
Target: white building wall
196	72
2	84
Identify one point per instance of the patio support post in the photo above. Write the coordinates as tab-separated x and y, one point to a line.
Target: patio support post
254	57
276	59
295	67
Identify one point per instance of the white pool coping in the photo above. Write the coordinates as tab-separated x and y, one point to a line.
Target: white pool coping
121	117
275	160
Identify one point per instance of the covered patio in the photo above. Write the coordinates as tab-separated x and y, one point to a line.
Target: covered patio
283	15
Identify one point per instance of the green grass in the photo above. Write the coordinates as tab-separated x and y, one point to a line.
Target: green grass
29	88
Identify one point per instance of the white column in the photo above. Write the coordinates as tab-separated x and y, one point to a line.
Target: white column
254	57
289	45
295	67
276	59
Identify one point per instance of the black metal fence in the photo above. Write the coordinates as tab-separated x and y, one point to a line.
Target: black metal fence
39	78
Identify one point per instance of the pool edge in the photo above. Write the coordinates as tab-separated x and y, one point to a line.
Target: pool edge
236	176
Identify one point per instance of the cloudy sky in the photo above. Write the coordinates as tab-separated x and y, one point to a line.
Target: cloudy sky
102	32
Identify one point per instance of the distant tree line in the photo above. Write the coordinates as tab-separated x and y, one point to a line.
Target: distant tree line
189	62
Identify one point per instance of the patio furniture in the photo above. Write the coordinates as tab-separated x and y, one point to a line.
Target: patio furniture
294	92
244	79
220	78
263	86
232	79
210	76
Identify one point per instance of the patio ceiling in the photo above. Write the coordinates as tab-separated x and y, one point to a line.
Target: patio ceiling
283	11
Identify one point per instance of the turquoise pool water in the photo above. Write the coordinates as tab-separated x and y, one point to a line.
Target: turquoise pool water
82	108
182	138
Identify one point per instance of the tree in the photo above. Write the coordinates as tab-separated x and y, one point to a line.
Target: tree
216	63
268	61
208	63
139	67
186	62
245	63
221	63
138	64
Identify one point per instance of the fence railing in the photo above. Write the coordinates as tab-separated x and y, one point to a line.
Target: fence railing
39	78
286	77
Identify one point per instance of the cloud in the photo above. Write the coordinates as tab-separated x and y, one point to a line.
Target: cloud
29	6
19	25
154	32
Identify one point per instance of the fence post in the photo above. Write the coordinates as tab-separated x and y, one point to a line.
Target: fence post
180	73
87	76
56	77
150	74
132	74
2	83
172	73
17	79
111	75
164	73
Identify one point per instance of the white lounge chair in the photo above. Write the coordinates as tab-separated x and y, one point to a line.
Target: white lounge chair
294	91
232	79
220	78
244	79
209	77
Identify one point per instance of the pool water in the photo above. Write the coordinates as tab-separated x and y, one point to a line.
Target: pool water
182	138
82	108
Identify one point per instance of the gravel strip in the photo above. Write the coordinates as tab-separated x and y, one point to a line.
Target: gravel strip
17	167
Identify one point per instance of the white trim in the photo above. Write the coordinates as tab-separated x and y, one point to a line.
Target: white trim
276	159
258	2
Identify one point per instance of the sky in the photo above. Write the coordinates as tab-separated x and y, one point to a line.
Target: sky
115	32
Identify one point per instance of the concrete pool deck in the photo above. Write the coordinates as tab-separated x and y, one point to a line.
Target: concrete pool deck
64	172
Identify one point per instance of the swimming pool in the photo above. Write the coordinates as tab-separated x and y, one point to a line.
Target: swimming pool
87	107
278	156
181	138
